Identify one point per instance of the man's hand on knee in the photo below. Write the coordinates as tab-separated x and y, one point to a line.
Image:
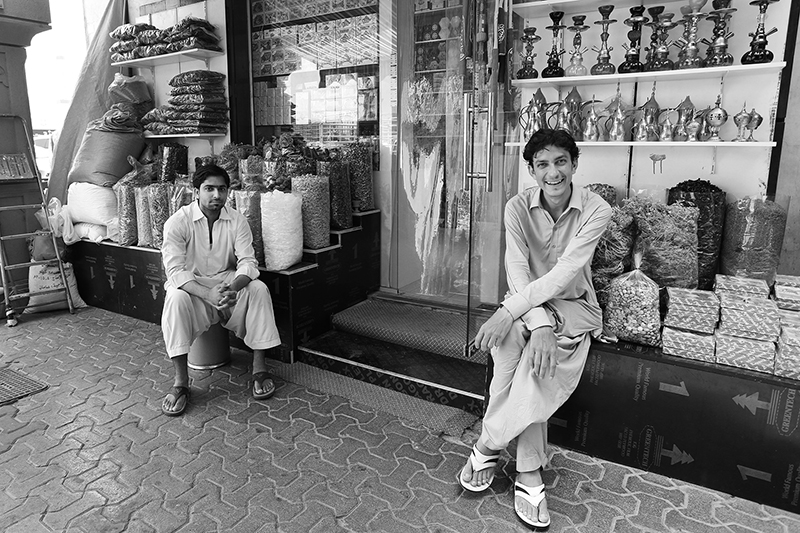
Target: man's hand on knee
542	346
494	330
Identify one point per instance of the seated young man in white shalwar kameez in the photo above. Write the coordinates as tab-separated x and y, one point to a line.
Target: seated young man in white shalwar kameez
212	277
540	337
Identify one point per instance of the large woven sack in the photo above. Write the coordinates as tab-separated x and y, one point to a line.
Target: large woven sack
48	277
102	158
91	203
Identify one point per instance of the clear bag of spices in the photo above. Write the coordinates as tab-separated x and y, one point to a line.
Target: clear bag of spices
633	310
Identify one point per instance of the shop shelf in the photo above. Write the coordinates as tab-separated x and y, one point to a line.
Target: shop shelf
668	75
198	54
437	10
681	144
437	40
184	135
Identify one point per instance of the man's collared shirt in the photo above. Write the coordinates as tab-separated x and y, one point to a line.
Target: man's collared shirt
548	259
190	255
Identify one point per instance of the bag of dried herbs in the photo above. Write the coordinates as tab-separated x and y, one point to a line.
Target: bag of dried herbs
633	311
753	238
612	256
666	238
316	209
710	202
605	191
339	183
358	156
174	160
248	203
158	200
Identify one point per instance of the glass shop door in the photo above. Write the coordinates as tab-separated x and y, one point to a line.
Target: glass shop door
451	173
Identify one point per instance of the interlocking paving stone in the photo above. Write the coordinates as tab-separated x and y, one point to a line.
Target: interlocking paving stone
93	453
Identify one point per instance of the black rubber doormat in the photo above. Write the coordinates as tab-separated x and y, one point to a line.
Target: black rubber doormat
14	386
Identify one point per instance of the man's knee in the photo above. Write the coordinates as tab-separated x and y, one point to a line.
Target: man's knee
256	290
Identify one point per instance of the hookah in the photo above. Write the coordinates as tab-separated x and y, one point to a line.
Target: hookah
532	117
690	53
553	69
603	65
654	12
576	67
715	118
635	21
742	121
758	52
660	60
717	54
530	38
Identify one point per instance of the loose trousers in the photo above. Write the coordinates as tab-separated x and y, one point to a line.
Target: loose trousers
520	403
186	317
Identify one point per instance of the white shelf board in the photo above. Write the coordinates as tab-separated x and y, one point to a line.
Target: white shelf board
184	135
682	144
196	54
666	75
541	8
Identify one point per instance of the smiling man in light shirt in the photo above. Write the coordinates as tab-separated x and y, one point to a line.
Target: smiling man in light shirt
212	277
540	336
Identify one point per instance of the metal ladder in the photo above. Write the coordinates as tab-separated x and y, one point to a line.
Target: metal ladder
14	291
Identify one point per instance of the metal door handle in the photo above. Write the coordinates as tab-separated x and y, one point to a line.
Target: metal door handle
466	117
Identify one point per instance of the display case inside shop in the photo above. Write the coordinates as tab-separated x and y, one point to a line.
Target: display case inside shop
315	67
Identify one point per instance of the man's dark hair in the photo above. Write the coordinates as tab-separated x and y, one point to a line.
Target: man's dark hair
202	173
543	138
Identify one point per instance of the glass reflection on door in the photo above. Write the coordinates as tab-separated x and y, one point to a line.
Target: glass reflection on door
432	210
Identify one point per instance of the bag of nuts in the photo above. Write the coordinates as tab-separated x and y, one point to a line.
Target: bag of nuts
632	312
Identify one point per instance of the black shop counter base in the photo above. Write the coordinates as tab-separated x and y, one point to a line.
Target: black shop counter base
716	426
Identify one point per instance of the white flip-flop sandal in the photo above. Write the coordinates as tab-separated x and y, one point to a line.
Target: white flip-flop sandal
532	495
479	461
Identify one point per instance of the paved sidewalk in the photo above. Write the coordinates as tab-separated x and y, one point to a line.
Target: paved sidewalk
93	453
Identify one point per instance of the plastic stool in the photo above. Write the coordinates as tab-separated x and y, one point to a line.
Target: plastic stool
211	349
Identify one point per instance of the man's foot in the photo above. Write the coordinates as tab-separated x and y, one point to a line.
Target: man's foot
478	474
529	499
175	402
263	386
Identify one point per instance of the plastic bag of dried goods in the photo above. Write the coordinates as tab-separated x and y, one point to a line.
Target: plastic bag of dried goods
612	256
358	156
316	209
130	31
248	203
158	202
282	229
196	76
126	212
133	89
144	228
339	183
666	238
632	310
605	191
753	237
710	202
174	160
